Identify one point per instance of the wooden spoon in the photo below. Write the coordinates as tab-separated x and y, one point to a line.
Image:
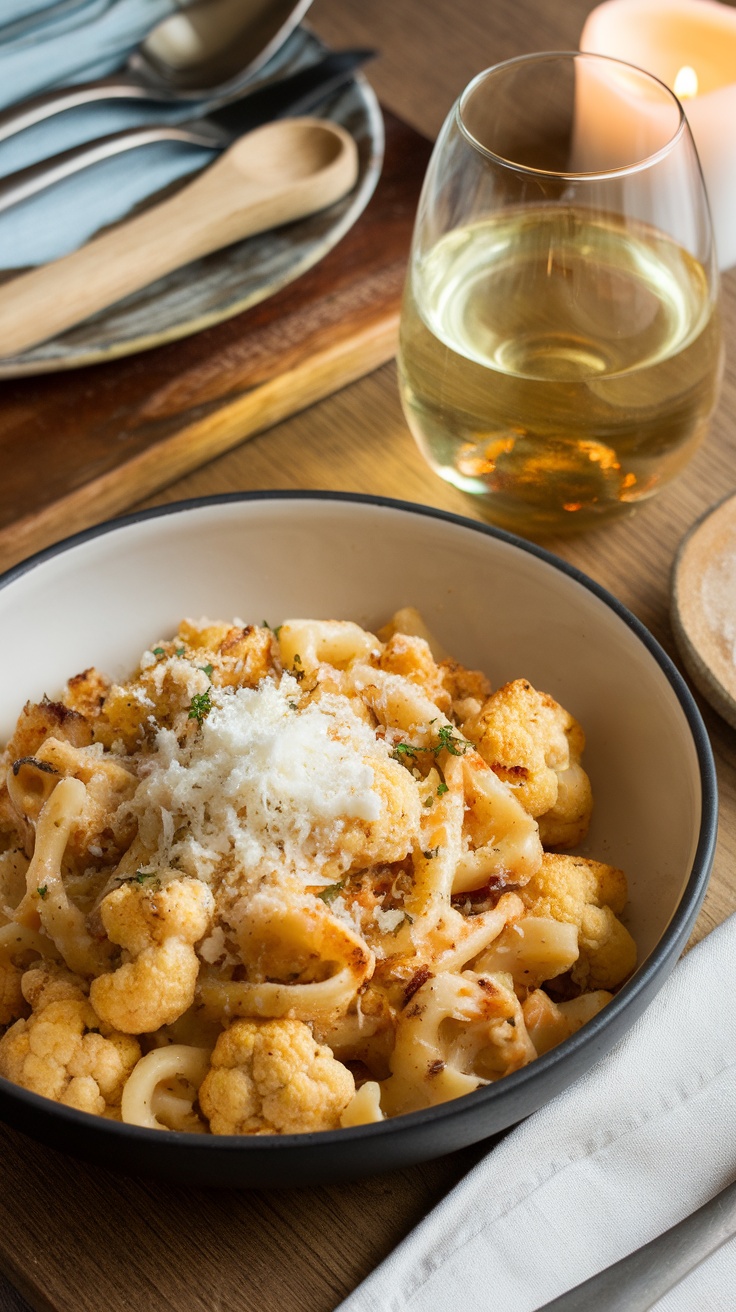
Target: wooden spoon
704	606
281	172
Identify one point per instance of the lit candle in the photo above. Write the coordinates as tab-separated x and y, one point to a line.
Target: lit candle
691	46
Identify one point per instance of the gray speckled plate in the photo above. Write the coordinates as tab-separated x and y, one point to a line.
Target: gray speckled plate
231	280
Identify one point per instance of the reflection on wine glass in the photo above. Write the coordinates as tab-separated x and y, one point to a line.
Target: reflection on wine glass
560	347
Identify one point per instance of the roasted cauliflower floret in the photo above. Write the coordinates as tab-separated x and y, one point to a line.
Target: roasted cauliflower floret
65	1051
390	836
156	927
272	1077
175	671
12	1003
240	657
108	784
591	895
41	720
531	742
86	692
36	722
463	683
412	659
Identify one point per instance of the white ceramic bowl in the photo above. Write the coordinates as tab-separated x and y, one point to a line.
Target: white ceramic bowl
496	603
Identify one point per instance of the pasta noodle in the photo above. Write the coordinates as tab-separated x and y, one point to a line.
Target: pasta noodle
142	1100
283	880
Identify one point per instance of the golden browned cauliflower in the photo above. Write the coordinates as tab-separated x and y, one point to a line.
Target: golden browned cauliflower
36	722
412	659
157	927
12	1003
108	784
590	895
41	720
175	671
65	1051
240	657
272	1077
86	692
532	743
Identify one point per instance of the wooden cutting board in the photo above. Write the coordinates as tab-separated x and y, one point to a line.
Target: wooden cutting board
77	447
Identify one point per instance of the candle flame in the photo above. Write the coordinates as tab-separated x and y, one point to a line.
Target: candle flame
686	83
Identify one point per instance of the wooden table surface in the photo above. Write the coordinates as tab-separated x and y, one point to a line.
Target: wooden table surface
78	1240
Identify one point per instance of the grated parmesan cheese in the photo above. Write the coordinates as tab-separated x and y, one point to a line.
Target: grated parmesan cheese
388	921
264	784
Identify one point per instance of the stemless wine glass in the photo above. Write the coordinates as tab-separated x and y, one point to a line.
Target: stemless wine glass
560	346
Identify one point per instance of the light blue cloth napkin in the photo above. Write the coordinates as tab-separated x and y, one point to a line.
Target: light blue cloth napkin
47	43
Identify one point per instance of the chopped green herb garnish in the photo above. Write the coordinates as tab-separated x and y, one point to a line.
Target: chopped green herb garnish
200	706
142	877
329	894
207	669
180	651
294	706
265	625
428	801
405	749
442	789
298	673
446	738
431	853
42	891
159	651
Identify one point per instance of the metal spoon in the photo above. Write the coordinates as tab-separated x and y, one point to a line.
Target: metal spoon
204	53
278	173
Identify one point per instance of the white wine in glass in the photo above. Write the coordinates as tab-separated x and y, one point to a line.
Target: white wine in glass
560	349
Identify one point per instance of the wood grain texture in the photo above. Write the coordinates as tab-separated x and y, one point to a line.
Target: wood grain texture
104	1242
77	1239
107	435
703	586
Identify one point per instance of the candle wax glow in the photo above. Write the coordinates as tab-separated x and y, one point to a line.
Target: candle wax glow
691	46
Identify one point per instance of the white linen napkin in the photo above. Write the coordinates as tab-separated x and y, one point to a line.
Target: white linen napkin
638	1143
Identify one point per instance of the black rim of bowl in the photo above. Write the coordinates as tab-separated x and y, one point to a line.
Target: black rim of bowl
671	942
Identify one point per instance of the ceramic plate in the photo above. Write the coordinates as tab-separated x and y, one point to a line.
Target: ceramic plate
231	280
